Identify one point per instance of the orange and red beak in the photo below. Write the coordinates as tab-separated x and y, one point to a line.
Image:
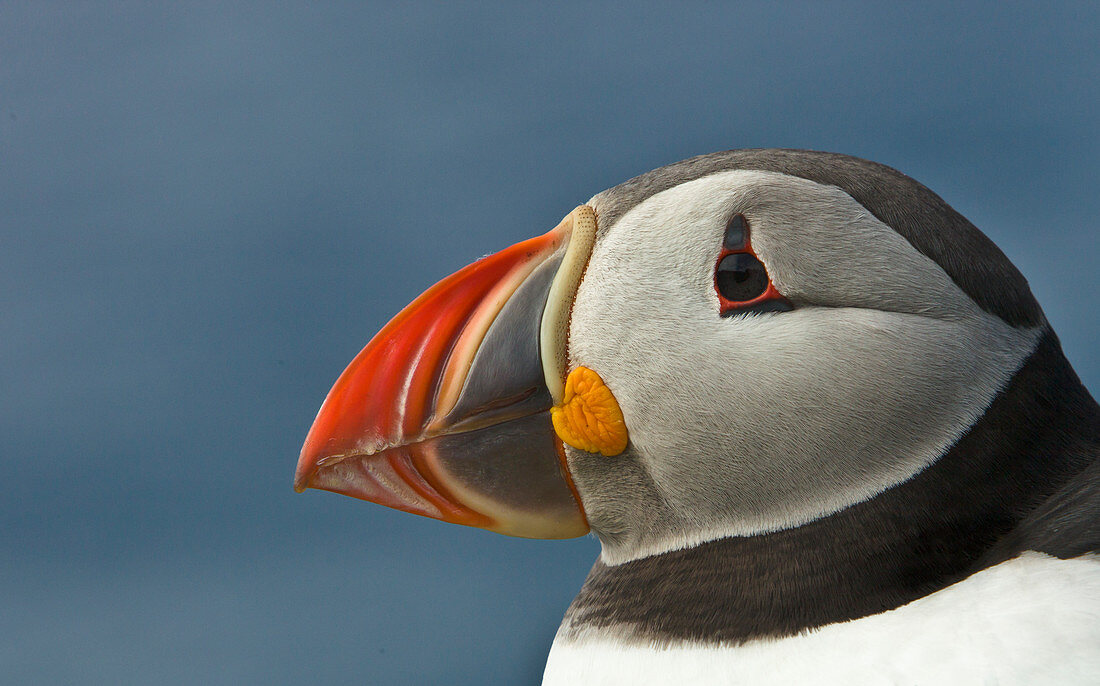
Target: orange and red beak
445	413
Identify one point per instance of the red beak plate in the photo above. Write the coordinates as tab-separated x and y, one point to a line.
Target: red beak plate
445	413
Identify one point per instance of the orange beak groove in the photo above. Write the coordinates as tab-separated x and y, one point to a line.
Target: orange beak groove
445	412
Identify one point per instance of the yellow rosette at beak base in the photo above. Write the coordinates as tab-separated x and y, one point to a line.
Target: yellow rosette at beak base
588	417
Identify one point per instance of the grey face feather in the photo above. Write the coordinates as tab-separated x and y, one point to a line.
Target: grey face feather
751	424
976	265
1025	477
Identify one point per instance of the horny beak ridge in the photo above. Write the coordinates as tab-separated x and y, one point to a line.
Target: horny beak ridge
445	412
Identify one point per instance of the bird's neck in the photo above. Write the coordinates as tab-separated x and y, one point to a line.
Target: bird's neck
978	505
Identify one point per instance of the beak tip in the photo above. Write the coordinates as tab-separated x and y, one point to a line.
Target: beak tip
303	474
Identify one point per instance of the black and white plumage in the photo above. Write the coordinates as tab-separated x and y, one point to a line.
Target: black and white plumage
895	481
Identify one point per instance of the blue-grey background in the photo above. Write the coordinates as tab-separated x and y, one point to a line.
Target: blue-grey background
207	209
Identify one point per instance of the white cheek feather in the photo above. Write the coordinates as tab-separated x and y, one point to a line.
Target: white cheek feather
757	423
1012	624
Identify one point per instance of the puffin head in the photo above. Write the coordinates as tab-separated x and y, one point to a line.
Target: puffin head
735	344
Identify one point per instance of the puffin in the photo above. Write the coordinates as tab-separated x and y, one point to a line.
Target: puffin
819	424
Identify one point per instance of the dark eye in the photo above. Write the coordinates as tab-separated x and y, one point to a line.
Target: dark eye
741	277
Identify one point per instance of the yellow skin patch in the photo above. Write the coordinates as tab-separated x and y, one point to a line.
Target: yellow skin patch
589	417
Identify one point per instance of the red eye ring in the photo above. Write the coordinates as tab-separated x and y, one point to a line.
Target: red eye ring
749	276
